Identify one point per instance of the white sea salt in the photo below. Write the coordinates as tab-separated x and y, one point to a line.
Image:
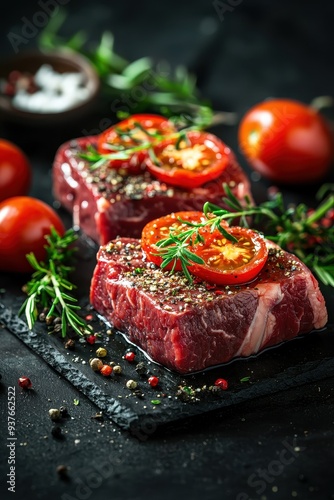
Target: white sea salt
56	92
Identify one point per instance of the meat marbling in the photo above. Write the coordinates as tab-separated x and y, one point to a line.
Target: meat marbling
106	203
192	327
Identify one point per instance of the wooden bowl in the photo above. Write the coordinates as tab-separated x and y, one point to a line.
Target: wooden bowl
61	61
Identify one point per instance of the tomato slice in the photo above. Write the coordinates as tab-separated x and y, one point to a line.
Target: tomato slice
227	262
159	229
131	132
189	163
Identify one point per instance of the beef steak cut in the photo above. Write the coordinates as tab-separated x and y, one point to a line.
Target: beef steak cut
107	203
191	327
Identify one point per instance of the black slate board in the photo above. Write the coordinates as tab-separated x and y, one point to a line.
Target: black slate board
303	360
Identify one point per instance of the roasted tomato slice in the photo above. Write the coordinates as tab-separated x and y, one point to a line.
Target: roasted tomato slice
159	229
191	162
131	132
227	262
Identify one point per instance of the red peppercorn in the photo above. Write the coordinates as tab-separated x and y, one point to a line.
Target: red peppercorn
25	382
91	339
153	381
130	356
89	317
106	370
222	383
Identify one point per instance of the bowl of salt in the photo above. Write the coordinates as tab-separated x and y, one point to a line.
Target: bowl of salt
47	88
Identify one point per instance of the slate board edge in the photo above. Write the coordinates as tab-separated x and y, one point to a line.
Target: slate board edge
142	425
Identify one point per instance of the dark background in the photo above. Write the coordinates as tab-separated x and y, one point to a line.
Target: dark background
246	52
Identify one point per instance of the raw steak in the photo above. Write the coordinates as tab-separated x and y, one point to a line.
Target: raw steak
191	327
106	204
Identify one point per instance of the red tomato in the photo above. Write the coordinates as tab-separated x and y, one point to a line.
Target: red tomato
229	263
286	141
226	262
159	229
15	171
131	132
189	163
24	223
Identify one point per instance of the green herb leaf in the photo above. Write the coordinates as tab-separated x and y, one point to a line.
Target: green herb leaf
49	285
307	233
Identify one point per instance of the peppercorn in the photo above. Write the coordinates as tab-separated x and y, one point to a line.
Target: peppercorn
43	314
141	368
96	364
54	414
131	384
130	356
117	369
70	344
138	393
91	339
106	370
62	471
64	411
222	383
49	320
153	381
101	352
25	382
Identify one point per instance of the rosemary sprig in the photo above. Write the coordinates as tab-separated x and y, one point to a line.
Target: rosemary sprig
308	233
124	151
49	285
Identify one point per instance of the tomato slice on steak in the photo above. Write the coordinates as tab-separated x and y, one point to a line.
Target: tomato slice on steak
129	133
159	229
227	262
190	162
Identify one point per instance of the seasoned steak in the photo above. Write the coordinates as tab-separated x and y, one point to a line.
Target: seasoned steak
191	327
107	203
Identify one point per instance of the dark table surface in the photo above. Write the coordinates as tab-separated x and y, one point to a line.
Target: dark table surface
279	446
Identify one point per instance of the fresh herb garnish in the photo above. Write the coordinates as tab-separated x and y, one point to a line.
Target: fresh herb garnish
125	151
307	233
49	286
163	89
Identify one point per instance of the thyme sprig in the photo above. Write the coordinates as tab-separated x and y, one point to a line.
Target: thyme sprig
49	287
308	233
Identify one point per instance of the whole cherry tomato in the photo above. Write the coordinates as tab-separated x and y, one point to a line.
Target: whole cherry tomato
189	162
135	131
15	171
286	141
24	223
